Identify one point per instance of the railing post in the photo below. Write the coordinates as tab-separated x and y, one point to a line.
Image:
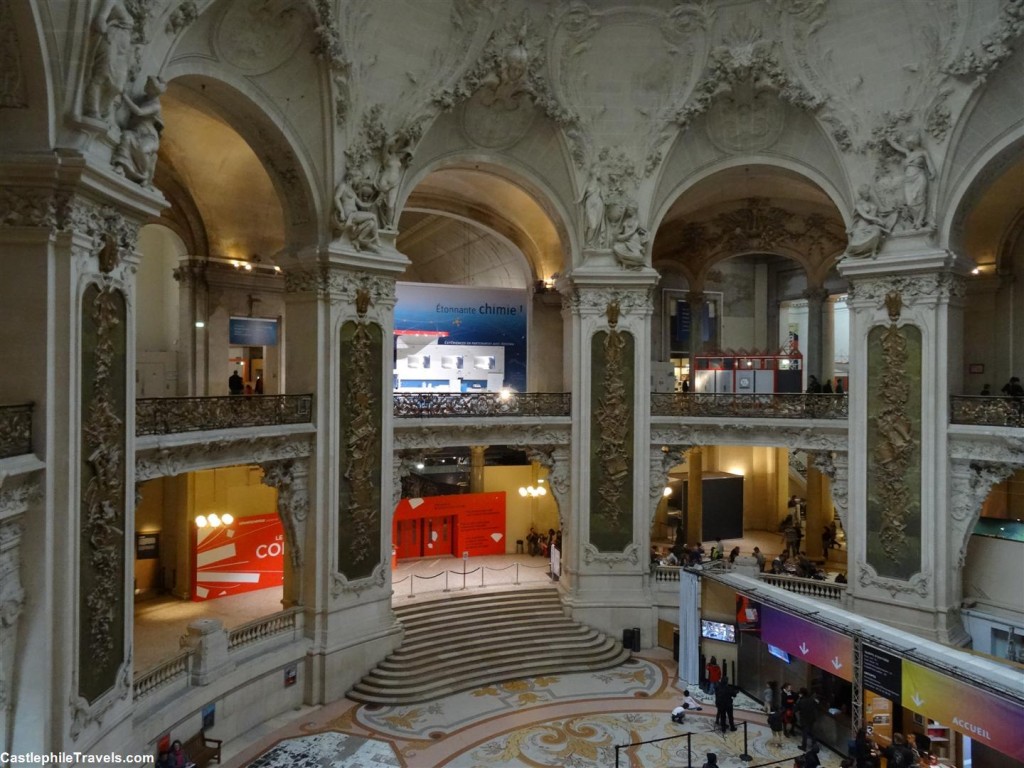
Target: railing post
745	757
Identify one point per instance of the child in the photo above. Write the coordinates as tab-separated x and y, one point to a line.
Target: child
689	703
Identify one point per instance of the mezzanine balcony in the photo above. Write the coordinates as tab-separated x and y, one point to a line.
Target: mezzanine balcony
173	415
987	411
793	405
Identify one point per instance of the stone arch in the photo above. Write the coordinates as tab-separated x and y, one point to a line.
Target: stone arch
28	92
248	113
984	142
669	194
546	256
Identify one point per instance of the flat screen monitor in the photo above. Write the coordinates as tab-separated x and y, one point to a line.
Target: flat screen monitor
716	630
778	653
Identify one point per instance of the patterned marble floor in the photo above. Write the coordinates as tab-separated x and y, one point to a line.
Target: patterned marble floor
571	721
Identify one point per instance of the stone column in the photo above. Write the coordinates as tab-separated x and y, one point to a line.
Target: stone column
13	505
193	308
817	516
476	469
905	350
695	496
340	305
814	350
606	563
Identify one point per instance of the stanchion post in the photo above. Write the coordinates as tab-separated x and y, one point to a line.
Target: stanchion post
446	580
616	756
745	757
689	750
517	574
412	578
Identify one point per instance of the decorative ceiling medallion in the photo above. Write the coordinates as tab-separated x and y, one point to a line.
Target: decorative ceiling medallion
257	36
749	121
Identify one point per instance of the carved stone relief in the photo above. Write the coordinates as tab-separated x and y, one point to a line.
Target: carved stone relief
330	49
12	599
760	226
917	584
12	79
290	479
592	301
258	37
481	432
206	454
971	481
912	290
631	556
181	17
340	584
903	175
102	504
995	48
136	152
612	427
834	466
556	460
112	60
663	458
894	446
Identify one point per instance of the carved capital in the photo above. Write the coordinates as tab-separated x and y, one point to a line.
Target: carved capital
629	556
915	289
918	584
341	585
595	301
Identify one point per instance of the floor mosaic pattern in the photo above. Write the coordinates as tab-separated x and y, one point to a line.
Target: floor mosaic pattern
571	720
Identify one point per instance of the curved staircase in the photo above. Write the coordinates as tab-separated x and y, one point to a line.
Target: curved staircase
463	642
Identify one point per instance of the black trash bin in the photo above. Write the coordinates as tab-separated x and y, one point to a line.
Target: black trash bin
636	639
627	639
675	644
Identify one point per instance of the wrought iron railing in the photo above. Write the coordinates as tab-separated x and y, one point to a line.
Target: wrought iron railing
776	406
161	674
827	590
170	415
15	430
429	404
267	626
987	411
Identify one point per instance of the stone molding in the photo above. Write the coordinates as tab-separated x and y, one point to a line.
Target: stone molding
913	289
793	437
341	585
994	49
557	460
835	466
917	585
586	301
442	432
341	284
168	460
85	716
971	481
290	478
629	556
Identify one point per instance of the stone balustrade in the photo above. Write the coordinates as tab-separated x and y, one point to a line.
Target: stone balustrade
825	590
161	674
267	626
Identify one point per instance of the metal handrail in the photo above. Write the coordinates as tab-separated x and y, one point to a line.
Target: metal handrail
433	404
171	415
987	411
783	405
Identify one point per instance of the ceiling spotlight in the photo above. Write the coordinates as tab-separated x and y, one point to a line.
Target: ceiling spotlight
248	267
976	271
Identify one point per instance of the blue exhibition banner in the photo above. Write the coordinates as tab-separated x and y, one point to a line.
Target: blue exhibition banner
485	317
252	331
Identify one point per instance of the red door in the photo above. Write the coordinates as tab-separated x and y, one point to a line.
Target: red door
407	538
437	536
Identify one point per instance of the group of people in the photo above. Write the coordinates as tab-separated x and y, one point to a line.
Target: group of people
237	385
175	757
1012	388
815	387
905	751
789	711
540	543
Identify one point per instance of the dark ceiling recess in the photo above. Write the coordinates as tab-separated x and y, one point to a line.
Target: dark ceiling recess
458	458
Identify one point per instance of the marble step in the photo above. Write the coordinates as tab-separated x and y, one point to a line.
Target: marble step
461	642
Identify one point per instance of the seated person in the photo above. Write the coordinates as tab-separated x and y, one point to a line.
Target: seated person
671	559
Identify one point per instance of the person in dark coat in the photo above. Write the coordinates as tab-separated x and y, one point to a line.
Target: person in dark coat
236	385
723	701
807	714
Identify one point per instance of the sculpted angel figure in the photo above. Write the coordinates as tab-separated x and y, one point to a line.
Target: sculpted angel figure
630	239
869	227
593	204
135	156
355	213
108	69
917	172
396	155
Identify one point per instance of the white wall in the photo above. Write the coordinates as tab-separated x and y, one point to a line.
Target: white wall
156	340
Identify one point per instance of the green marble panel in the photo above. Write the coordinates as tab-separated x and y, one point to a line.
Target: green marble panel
102	503
894	451
612	416
361	425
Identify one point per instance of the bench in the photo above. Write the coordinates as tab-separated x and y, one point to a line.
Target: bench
202	750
